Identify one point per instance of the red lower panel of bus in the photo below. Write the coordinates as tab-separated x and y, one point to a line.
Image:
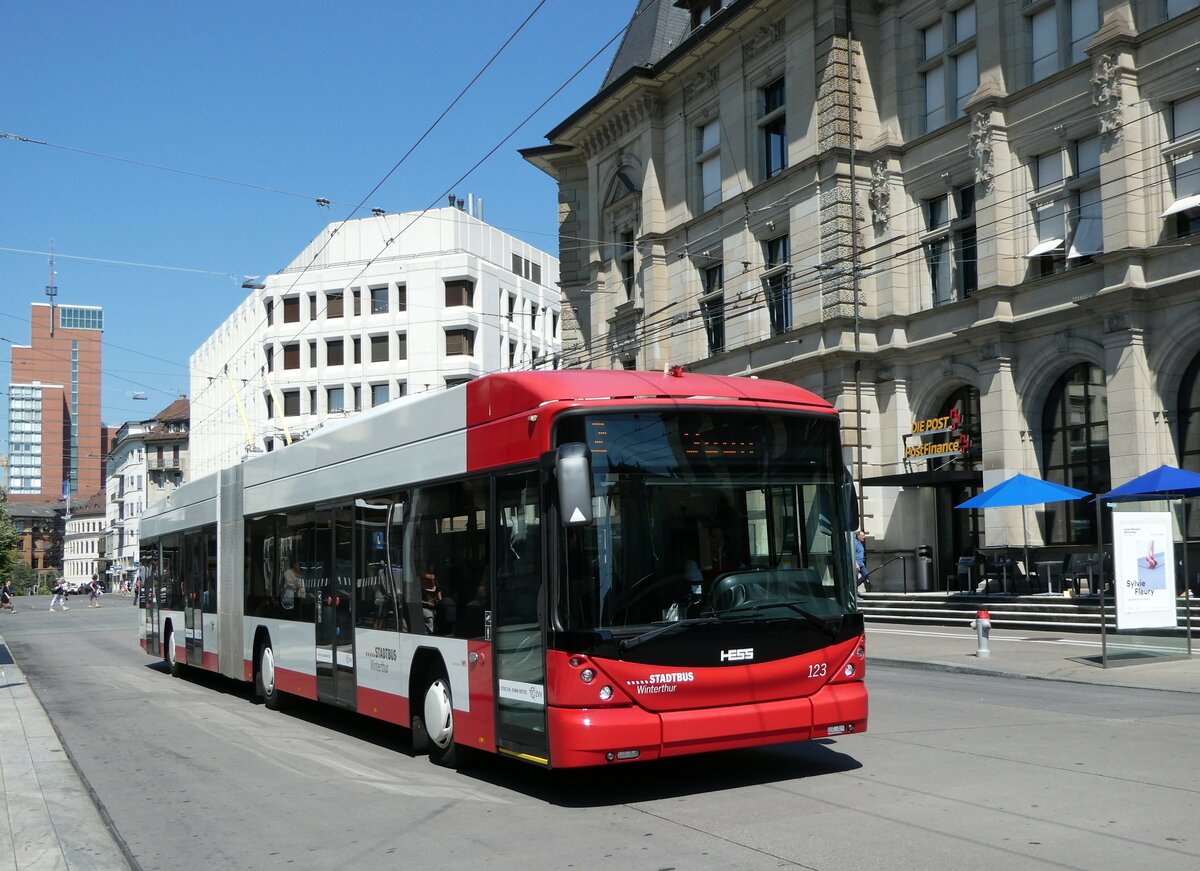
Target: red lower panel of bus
385	706
295	682
582	736
209	662
477	727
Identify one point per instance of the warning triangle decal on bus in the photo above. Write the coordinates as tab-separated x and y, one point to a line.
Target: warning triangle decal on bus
578	516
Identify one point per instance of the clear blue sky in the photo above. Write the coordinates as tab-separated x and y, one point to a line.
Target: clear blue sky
304	97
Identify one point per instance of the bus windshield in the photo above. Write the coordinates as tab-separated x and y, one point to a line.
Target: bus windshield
706	516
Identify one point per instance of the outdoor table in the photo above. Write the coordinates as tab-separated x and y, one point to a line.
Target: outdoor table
991	565
1046	569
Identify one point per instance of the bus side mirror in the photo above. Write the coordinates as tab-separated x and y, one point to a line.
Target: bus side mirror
851	497
573	470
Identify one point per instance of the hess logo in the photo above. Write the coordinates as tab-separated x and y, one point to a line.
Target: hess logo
737	654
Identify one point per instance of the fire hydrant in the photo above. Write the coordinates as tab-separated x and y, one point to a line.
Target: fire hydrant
982	624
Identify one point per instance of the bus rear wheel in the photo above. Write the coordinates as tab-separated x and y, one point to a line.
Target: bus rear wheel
435	723
264	677
169	654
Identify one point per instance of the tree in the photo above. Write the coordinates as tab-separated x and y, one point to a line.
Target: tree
9	538
26	581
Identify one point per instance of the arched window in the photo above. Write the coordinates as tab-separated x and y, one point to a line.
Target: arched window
1189	433
965	401
1189	418
1075	451
960	533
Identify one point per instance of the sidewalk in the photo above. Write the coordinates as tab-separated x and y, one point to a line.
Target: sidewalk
1061	656
47	817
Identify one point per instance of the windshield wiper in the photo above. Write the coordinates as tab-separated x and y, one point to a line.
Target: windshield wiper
829	624
668	629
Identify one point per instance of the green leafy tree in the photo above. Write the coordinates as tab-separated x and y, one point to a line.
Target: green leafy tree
9	538
26	580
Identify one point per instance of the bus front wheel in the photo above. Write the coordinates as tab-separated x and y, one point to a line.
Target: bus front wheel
265	676
436	721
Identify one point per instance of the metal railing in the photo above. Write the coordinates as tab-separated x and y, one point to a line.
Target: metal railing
903	568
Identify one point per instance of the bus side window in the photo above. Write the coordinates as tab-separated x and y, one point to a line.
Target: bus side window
448	556
260	577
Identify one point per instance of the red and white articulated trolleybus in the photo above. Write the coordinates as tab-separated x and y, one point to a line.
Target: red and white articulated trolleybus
570	568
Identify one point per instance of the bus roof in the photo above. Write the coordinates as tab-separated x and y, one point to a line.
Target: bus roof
500	395
448	433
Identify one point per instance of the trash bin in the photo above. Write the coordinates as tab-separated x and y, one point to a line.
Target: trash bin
923	581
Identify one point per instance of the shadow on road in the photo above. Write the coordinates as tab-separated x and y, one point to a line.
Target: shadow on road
666	778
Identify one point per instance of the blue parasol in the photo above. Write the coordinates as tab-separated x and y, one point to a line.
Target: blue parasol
1163	481
1023	490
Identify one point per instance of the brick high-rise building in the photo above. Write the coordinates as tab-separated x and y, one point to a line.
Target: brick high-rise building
54	429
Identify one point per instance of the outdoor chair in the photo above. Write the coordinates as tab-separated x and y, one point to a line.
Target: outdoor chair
1020	582
1081	567
998	572
966	574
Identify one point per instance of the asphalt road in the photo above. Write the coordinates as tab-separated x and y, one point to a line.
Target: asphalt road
957	771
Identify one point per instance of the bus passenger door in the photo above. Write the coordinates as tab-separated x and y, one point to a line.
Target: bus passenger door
193	566
333	612
519	647
148	600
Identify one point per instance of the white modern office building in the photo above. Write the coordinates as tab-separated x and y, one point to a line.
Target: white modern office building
125	497
370	310
85	531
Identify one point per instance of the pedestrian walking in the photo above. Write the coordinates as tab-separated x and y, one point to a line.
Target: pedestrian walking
860	561
60	596
6	598
94	593
143	574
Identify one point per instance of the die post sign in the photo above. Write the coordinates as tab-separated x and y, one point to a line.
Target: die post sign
944	436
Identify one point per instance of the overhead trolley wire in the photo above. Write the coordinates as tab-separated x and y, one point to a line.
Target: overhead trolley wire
462	92
451	187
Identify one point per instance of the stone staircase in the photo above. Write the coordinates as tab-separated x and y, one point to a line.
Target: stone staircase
1051	613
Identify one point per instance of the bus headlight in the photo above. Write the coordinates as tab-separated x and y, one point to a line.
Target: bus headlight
605	693
849	669
587	675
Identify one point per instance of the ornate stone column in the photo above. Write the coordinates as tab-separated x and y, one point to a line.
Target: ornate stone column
1008	443
1134	436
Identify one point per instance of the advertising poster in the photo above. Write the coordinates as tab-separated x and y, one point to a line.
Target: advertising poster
1144	569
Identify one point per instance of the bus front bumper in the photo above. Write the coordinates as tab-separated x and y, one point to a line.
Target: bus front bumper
598	736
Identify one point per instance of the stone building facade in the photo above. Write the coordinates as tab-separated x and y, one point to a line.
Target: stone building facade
978	214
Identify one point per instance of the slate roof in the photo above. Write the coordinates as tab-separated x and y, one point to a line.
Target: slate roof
657	27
